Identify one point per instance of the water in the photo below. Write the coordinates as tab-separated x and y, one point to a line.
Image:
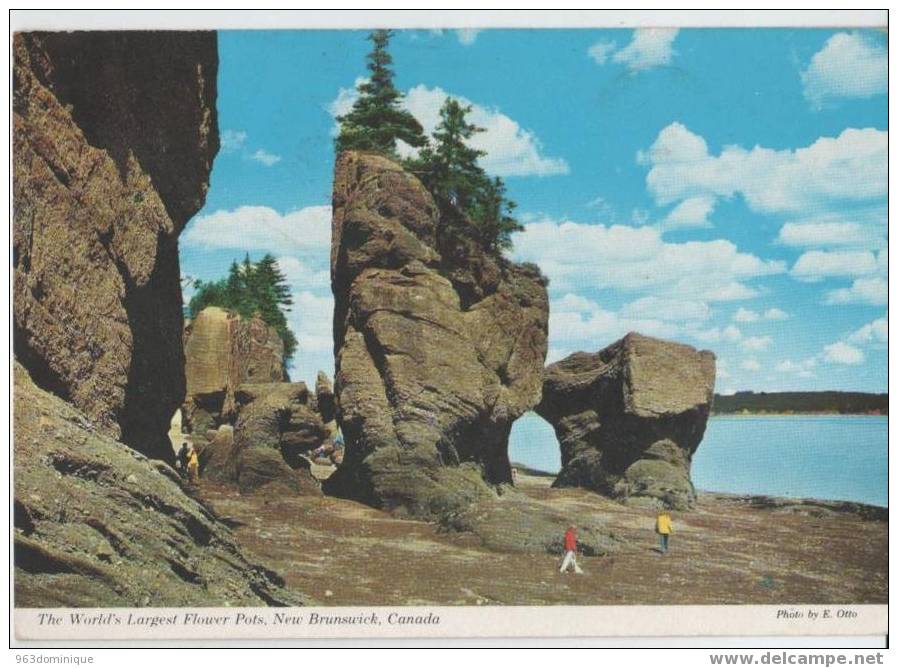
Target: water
842	457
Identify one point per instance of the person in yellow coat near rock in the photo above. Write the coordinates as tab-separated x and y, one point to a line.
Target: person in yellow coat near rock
663	528
193	467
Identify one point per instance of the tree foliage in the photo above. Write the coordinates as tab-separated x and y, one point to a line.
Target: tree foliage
251	288
376	120
448	167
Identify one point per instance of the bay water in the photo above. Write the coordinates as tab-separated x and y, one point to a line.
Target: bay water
838	457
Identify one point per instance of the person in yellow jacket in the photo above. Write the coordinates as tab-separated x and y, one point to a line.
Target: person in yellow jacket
193	467
663	528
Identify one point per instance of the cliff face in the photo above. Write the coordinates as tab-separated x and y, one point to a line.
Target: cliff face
630	417
439	348
97	524
223	351
113	140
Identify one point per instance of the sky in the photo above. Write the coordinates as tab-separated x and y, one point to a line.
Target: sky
721	187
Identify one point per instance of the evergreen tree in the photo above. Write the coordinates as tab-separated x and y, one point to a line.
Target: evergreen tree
251	289
462	189
376	120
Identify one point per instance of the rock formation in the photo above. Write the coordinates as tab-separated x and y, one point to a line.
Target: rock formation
324	394
113	139
277	426
439	346
630	417
99	525
221	352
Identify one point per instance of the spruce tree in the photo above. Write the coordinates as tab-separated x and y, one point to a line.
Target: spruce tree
251	289
462	189
376	120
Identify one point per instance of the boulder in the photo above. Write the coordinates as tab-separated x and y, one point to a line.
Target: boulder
439	346
223	351
277	425
218	459
114	134
324	393
98	525
630	417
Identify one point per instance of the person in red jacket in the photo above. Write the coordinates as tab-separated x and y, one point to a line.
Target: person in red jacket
570	550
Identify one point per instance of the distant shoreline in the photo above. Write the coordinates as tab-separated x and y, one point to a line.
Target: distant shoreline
797	414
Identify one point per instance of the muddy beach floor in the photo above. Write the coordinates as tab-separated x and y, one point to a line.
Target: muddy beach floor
726	551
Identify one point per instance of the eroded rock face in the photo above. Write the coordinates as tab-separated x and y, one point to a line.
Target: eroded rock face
277	426
114	134
99	525
630	417
222	351
439	347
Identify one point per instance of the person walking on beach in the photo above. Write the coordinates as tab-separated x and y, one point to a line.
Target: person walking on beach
663	529
570	551
193	467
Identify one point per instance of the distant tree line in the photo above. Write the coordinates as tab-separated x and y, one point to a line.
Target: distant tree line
445	163
250	289
846	403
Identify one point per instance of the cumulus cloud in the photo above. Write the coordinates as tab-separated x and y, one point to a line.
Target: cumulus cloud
262	228
873	291
580	323
775	314
849	65
638	259
830	172
745	315
803	368
831	234
817	265
264	157
692	212
843	353
510	149
650	47
873	332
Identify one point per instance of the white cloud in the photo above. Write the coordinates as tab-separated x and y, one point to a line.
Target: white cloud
300	274
510	149
821	234
874	291
842	353
827	175
745	315
757	343
579	323
266	158
467	36
817	265
262	228
775	314
803	368
637	259
650	47
232	140
750	365
667	309
873	332
848	65
692	212
311	319
600	51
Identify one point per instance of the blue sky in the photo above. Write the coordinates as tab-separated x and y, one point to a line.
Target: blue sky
721	187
